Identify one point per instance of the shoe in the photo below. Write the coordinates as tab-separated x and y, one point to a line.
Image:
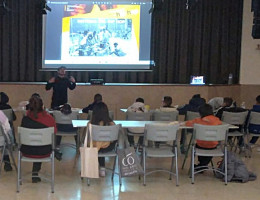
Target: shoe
8	167
36	179
102	172
58	155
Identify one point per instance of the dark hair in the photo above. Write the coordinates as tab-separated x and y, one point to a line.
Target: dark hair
66	109
61	67
205	110
35	105
228	101
196	96
97	98
35	95
139	99
168	101
258	99
100	114
4	98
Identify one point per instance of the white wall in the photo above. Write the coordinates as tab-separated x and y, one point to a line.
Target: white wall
250	55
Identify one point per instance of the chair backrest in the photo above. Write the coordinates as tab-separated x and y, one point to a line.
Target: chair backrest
165	116
105	133
36	137
9	114
161	132
138	116
235	118
2	135
61	118
254	118
191	115
210	133
111	114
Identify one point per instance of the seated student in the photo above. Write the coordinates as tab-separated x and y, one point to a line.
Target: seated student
37	117
254	128
66	110
100	116
97	99
4	99
167	105
226	106
33	95
216	103
229	106
195	102
206	118
7	130
137	106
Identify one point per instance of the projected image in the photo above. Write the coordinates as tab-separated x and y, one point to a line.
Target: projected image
98	35
111	36
95	37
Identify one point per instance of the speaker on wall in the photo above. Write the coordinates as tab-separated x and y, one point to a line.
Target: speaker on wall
255	7
256	31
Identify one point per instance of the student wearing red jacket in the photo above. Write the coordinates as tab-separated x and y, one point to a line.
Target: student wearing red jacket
37	117
206	118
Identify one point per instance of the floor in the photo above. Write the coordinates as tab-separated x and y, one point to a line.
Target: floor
68	184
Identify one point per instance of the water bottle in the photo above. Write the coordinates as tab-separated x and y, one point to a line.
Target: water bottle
230	79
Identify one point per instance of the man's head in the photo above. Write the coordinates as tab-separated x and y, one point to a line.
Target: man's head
98	98
205	110
167	101
258	100
227	102
141	100
61	71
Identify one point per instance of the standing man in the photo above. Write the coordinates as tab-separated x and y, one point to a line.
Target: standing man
60	83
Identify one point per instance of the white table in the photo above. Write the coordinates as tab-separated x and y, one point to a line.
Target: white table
124	123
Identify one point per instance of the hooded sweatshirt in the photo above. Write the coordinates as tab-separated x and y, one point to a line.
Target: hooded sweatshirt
208	120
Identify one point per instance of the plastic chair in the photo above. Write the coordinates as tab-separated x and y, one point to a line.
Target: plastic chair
209	133
165	116
107	134
165	133
61	118
35	137
137	116
189	116
238	119
9	114
6	144
254	118
111	114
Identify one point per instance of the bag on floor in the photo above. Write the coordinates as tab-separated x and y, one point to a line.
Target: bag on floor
236	169
89	157
129	162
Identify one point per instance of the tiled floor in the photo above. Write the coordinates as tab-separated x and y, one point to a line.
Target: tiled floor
68	184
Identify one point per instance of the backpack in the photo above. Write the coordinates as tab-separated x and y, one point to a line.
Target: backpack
236	169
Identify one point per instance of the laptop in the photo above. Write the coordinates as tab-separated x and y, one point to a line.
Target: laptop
197	80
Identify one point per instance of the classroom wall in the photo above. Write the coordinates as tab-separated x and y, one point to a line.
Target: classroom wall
122	96
250	51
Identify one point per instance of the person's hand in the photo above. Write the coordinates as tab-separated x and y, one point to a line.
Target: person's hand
72	79
52	80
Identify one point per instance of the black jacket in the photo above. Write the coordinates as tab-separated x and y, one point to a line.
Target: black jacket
60	93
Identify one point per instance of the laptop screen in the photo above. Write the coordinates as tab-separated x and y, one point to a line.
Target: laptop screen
197	80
